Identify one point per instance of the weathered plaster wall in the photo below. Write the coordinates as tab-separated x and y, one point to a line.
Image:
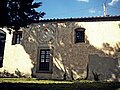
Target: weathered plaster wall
100	50
102	41
67	56
15	57
70	57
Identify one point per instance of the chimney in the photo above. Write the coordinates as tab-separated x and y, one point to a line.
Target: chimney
104	7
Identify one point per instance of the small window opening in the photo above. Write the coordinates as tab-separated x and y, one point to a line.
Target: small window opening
79	35
17	37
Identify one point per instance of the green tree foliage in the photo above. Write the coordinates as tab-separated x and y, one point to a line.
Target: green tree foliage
19	13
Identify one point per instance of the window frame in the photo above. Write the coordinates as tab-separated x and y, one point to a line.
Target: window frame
43	60
15	38
50	61
82	31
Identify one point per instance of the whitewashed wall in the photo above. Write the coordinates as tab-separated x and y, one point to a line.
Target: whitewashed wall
100	50
15	57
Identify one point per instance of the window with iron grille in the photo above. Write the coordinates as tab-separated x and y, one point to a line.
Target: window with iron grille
17	37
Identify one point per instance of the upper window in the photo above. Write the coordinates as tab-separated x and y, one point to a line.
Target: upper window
79	35
17	37
44	60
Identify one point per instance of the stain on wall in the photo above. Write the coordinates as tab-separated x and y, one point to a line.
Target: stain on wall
107	67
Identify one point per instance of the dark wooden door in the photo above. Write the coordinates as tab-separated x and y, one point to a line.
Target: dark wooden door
2	45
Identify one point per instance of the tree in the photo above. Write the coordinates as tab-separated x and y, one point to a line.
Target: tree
3	13
19	13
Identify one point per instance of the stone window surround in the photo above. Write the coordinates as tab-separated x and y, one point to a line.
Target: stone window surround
51	59
74	35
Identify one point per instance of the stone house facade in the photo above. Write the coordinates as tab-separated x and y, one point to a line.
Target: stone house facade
73	48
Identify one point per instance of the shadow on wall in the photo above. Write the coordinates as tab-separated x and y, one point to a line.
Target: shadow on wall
30	43
67	63
70	60
103	62
15	57
111	50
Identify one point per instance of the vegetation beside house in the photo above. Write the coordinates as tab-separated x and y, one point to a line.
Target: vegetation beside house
28	83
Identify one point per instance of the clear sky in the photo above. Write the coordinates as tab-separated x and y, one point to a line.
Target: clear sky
78	8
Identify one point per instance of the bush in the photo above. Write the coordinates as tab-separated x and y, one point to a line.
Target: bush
6	74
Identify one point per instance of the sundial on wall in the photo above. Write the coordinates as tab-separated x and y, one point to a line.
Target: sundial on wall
46	35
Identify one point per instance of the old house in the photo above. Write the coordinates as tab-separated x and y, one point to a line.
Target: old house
72	48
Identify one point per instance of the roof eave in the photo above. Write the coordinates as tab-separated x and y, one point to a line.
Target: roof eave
85	19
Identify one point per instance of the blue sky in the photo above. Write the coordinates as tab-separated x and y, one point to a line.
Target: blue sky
77	8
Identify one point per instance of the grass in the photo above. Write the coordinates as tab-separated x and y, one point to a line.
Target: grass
31	80
34	84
